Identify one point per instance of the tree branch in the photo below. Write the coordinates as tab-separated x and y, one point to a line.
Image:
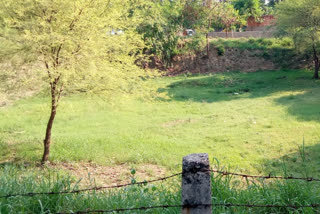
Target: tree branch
59	94
72	24
48	70
57	55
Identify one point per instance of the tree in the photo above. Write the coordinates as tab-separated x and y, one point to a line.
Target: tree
198	14
209	12
161	27
72	44
228	16
248	8
300	19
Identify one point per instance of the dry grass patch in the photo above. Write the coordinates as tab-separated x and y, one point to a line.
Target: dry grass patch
91	173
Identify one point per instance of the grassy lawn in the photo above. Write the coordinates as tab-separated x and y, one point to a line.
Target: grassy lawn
254	122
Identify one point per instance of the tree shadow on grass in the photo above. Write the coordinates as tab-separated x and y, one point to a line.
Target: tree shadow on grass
304	106
235	85
4	149
303	162
15	152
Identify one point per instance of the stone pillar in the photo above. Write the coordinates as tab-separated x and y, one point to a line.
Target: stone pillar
196	184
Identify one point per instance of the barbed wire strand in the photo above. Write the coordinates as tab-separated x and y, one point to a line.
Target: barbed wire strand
224	173
194	206
30	194
264	177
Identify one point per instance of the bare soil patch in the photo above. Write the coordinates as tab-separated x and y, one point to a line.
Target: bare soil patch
178	122
93	174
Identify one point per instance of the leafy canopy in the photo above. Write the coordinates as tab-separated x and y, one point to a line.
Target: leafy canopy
248	7
161	28
300	19
72	41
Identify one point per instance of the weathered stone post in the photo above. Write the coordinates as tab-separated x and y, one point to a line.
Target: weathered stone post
196	184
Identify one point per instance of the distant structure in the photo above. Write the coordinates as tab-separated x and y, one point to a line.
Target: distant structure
266	22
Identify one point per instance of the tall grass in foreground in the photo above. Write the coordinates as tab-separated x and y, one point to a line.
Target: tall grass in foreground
225	189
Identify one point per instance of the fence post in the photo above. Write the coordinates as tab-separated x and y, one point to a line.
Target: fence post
196	184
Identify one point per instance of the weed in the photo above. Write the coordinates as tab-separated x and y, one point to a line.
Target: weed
220	50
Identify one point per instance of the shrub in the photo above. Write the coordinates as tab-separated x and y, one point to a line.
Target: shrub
286	42
251	40
191	45
266	42
221	50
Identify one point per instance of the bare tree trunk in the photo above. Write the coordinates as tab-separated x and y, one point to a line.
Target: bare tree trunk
208	46
47	140
316	63
55	97
316	71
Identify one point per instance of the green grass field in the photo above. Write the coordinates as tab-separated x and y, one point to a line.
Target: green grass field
254	122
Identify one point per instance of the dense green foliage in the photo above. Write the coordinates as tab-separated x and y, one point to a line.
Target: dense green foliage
161	28
248	7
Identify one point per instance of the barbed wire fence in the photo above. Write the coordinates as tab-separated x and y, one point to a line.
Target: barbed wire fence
194	206
223	173
219	172
30	194
309	179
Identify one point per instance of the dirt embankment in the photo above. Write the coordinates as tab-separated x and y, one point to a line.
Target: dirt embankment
234	59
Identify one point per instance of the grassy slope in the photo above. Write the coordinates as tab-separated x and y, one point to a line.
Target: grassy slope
246	120
254	44
281	51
